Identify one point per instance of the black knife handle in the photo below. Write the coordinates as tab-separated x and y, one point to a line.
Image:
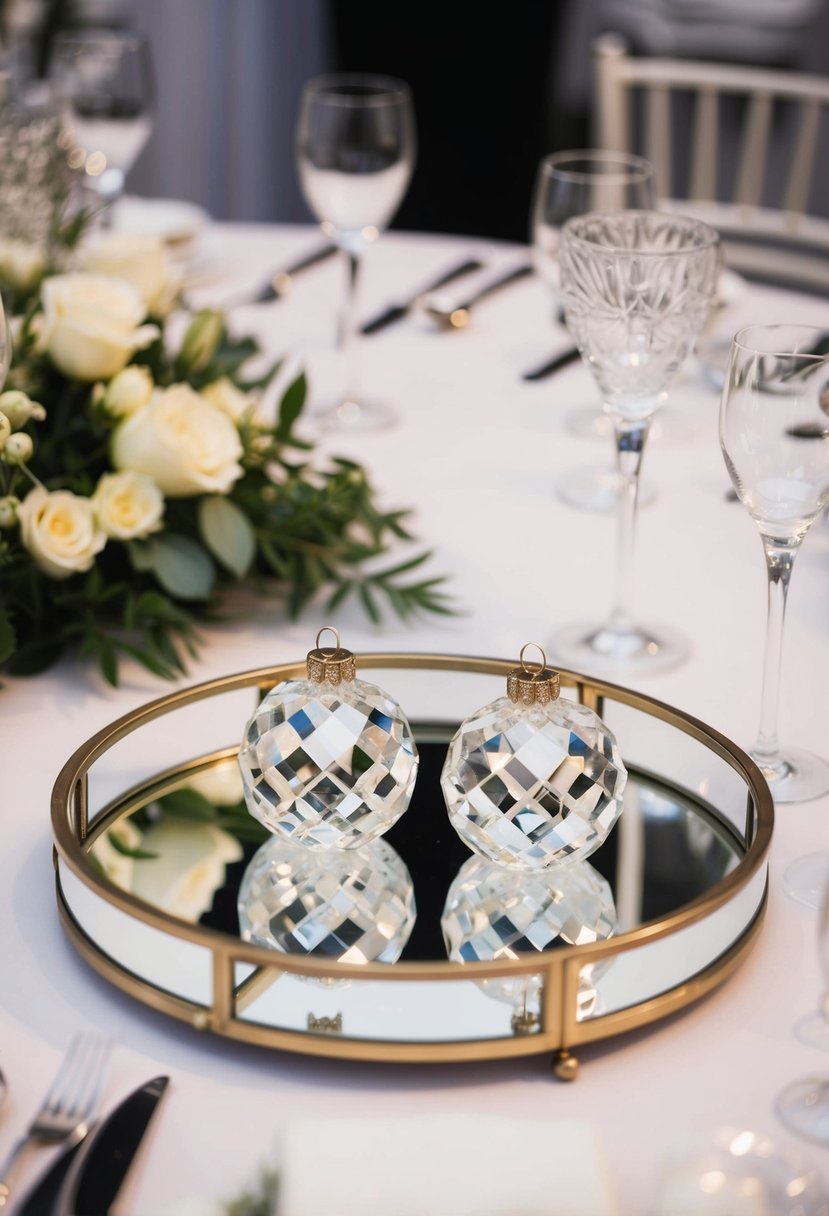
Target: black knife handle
280	282
552	366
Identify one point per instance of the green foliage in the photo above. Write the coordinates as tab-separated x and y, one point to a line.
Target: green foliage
314	531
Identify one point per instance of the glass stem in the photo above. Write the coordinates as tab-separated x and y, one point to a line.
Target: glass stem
779	562
630	445
350	332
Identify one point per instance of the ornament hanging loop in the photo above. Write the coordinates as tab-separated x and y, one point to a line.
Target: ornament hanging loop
535	684
330	664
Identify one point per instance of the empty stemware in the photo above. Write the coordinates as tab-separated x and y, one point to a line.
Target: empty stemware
355	154
568	184
636	288
104	85
776	382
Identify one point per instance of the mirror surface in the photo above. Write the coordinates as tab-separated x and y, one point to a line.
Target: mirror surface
188	850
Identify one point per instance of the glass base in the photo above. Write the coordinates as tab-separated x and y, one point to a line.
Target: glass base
353	417
800	776
803	1108
605	650
807	879
592	488
813	1030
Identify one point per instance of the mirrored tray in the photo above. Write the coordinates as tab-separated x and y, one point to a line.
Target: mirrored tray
152	840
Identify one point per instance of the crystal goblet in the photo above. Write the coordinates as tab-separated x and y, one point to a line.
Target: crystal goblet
776	385
636	288
568	184
355	150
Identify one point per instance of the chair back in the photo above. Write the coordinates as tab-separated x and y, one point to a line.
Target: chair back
744	160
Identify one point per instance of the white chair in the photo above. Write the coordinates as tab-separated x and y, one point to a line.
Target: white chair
634	111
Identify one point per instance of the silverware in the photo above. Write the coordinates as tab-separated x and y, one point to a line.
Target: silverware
3	1089
543	370
69	1104
396	312
281	282
456	316
807	430
39	1200
97	1173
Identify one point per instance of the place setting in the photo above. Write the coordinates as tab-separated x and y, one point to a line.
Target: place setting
384	782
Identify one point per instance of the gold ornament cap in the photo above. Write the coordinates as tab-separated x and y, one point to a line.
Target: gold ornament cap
533	684
330	664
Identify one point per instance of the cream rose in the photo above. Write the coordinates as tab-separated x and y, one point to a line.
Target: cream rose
92	324
229	399
182	441
142	260
128	391
128	505
21	264
60	531
189	866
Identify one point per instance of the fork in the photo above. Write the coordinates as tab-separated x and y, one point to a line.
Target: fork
70	1102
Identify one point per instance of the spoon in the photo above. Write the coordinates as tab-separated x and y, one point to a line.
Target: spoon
456	315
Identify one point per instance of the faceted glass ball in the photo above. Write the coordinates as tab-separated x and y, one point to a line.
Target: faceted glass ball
533	786
331	766
495	912
354	905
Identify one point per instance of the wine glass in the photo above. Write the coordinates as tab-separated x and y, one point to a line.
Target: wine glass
568	184
104	84
803	1106
355	150
636	288
775	386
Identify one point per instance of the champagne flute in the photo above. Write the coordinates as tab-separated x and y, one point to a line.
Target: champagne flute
568	184
104	84
775	386
355	151
637	287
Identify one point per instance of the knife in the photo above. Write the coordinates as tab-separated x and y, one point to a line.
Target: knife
396	312
97	1172
552	365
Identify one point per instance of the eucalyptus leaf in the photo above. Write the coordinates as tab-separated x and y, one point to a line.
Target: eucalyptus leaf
182	566
227	532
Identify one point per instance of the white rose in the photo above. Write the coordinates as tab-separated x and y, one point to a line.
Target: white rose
128	505
21	264
221	784
231	400
117	867
182	441
142	260
189	867
128	391
92	324
60	531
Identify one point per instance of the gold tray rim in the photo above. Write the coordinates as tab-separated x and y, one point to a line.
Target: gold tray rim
559	1025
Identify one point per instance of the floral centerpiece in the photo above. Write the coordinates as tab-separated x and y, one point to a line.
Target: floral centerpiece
137	479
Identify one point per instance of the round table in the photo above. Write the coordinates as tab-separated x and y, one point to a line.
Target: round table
476	452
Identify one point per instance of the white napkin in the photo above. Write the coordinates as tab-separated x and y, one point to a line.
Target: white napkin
443	1165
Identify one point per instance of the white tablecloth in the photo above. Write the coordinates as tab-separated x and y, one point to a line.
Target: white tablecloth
476	452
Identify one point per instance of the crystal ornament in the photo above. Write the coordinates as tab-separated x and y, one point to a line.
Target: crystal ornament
329	761
354	905
531	780
495	912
